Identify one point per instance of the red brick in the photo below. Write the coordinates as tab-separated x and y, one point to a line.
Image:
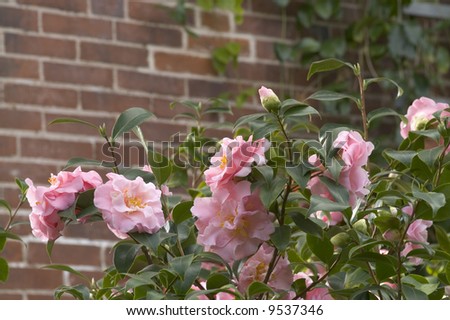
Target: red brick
150	83
215	21
18	68
94	230
51	149
111	101
40	46
77	26
36	95
114	54
177	62
108	8
154	13
209	43
10	296
265	50
149	35
67	5
13	251
210	89
44	296
157	131
79	74
74	280
7	146
64	254
18	18
39	173
33	278
15	119
265	26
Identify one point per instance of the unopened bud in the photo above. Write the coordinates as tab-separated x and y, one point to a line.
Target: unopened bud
269	99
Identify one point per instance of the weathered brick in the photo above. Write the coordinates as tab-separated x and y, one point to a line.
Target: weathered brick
18	68
41	46
149	35
151	83
77	26
37	95
155	13
266	26
15	119
94	230
157	131
177	62
108	8
33	278
18	18
67	5
265	50
84	75
39	173
114	54
10	296
111	101
50	149
215	21
7	146
205	43
13	251
208	89
65	254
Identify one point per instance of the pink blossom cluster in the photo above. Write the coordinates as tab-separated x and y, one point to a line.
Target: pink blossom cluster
416	235
129	205
233	222
47	201
354	152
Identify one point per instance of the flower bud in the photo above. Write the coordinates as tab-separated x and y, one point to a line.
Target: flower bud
269	99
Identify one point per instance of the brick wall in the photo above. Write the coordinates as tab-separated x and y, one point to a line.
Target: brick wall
91	59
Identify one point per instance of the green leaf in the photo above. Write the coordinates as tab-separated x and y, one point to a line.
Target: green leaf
322	248
319	203
257	288
68	269
434	199
281	237
132	174
248	118
383	112
300	173
411	293
424	211
79	292
124	255
294	108
308	45
9	235
339	193
4	270
73	120
264	130
182	212
282	3
152	241
305	224
430	156
327	65
181	264
442	238
75	162
323	8
404	156
325	95
161	166
283	52
367	82
216	281
5	205
22	185
128	120
49	247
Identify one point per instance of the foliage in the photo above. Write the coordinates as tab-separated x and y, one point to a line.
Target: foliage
269	215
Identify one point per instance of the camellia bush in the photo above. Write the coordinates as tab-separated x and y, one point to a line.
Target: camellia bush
268	214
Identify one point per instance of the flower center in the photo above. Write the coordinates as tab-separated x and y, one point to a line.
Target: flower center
223	162
419	122
52	180
261	270
134	203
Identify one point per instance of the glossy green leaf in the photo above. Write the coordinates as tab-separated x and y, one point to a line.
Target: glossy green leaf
257	288
325	95
49	247
129	119
75	162
327	65
293	108
430	156
161	166
323	8
322	248
248	118
68	269
216	281
434	199
282	3
281	237
264	130
305	224
411	293
152	241
73	120
300	173
442	238
5	205
182	211
339	193
382	113
4	270
124	255
181	264
369	81
319	203
79	292
404	156
424	211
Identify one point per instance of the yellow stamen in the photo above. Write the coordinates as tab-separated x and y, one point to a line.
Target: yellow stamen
52	180
223	162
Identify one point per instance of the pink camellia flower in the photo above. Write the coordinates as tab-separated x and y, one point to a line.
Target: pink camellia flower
256	267
419	113
46	227
164	188
316	293
269	99
233	222
234	159
129	205
354	150
320	189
